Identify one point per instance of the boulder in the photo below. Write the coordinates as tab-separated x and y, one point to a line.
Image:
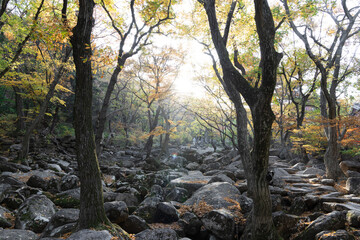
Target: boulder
5	222
191	182
147	209
166	213
221	178
353	185
334	235
221	223
134	224
353	218
313	170
116	211
175	161
190	223
64	217
157	234
298	206
35	213
37	182
68	199
192	166
332	221
17	234
87	234
177	194
350	166
220	195
285	224
68	182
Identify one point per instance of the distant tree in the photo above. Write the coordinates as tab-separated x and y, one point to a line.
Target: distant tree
327	54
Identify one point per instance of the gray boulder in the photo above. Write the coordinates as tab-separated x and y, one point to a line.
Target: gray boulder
35	213
334	235
220	195
190	223
191	182
17	234
221	223
64	217
166	213
4	221
116	211
157	234
353	218
134	224
177	194
353	185
147	209
221	178
69	182
37	182
285	224
332	221
87	234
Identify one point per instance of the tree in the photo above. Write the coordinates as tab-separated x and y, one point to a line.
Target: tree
59	70
92	212
328	60
258	97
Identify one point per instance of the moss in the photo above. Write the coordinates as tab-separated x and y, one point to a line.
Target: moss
67	202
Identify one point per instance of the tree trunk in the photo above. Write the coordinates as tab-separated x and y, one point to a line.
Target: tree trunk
101	120
22	155
92	212
332	154
20	121
149	143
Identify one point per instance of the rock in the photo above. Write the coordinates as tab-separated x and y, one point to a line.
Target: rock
156	191
353	185
134	224
157	234
6	166
220	195
285	224
177	194
350	165
175	161
298	206
35	213
192	166
353	218
328	182
147	209
332	221
54	167
17	234
221	223
87	234
190	223
37	182
191	182
191	155
313	170
61	218
166	213
334	235
68	199
5	179
116	211
4	218
69	182
221	178
299	167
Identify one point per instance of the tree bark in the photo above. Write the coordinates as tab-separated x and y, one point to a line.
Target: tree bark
92	212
